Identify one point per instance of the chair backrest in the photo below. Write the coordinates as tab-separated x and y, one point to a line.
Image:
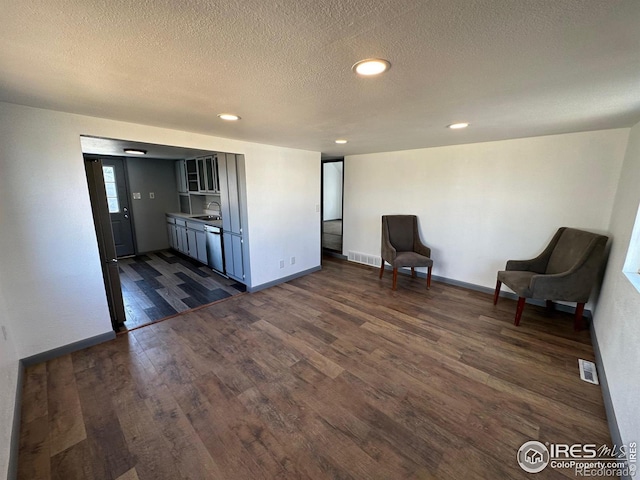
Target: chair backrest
401	231
572	246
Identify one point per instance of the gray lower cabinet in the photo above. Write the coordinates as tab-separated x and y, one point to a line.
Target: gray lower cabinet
172	234
183	242
197	242
233	257
188	238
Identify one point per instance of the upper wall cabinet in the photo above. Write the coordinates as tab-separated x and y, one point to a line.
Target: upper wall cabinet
181	176
202	175
193	184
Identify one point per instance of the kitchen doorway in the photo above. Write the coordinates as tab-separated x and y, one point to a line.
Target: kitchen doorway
145	280
332	204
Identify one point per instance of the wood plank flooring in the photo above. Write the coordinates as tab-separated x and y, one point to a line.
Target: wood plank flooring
330	376
332	235
162	284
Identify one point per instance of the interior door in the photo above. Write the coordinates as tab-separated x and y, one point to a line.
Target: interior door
106	245
332	204
117	194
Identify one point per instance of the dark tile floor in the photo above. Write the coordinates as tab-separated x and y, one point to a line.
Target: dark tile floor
162	284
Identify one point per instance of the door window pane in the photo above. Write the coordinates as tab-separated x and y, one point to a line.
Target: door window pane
111	188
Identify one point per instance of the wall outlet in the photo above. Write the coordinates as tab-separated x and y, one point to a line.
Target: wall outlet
293	260
281	263
152	195
4	333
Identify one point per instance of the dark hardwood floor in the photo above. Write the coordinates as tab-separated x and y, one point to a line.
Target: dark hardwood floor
332	375
162	284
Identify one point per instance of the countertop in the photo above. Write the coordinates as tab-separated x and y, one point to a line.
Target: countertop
191	218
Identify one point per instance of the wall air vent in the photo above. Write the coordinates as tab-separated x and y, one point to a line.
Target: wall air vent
365	258
588	371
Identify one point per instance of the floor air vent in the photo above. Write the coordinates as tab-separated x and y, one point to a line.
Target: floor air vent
373	260
588	371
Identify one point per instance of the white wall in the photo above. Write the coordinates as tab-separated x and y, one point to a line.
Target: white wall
332	190
51	278
617	317
481	204
283	207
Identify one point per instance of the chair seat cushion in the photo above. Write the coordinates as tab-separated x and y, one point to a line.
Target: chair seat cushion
517	281
411	259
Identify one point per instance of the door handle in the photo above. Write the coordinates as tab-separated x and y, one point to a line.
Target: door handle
126	216
113	260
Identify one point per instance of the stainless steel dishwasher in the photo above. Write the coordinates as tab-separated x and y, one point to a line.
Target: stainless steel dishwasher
215	254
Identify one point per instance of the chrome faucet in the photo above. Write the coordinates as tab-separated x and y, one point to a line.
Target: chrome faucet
213	201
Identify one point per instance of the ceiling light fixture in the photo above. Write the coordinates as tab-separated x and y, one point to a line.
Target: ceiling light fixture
456	126
341	140
371	66
135	151
230	117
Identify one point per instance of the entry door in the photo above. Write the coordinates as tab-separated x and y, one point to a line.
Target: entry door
106	247
115	181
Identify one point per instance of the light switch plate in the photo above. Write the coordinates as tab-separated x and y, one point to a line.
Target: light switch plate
152	195
137	196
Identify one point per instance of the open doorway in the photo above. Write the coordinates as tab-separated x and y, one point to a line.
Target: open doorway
147	278
332	204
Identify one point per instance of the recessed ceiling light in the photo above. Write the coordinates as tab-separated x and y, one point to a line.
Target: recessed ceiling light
371	66
135	151
456	126
341	140
228	116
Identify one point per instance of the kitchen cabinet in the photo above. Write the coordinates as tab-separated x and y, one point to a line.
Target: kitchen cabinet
211	171
188	238
182	239
208	179
233	256
197	242
230	193
181	176
216	174
229	166
172	234
191	169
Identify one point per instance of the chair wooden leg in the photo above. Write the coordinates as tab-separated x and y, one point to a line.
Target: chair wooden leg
381	268
413	272
519	310
395	278
577	325
428	278
497	292
550	306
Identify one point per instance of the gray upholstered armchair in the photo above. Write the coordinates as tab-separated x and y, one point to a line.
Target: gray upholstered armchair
401	246
565	271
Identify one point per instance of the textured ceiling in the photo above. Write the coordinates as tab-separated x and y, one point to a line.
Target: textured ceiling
512	68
